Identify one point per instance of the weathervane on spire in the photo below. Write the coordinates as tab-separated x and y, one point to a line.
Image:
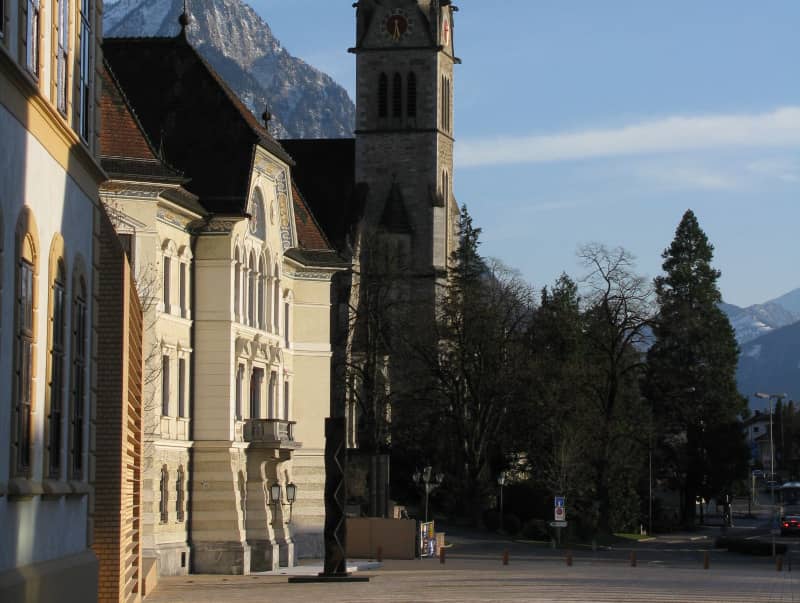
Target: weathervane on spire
184	18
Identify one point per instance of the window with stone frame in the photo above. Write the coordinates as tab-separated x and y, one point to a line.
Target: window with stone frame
276	302
286	399
183	289
62	54
79	366
179	495
271	387
21	439
262	280
163	506
84	103
33	20
256	381
286	324
237	288
182	387
165	286
239	391
165	385
55	394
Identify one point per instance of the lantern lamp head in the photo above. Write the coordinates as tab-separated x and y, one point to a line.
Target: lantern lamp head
275	493
291	493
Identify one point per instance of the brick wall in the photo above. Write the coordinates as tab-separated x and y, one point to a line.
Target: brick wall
117	514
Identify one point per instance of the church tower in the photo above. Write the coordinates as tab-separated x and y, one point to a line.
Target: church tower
404	132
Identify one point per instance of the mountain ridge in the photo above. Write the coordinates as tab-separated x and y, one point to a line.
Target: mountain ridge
241	47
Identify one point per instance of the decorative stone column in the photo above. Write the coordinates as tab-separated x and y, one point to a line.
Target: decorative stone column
264	554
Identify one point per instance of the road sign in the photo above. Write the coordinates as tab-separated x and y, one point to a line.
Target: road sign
558	501
560	514
558	524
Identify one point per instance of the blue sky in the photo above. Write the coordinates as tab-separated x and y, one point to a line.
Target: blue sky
581	121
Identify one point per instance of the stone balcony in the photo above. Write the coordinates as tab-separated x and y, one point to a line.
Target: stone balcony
270	433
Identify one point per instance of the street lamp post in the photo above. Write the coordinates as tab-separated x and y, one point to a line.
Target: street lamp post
770	397
501	481
429	481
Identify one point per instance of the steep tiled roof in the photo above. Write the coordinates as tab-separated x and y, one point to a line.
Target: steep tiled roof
309	234
125	149
324	172
192	116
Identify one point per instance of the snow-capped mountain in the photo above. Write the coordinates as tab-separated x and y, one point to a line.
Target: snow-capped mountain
235	40
760	319
771	363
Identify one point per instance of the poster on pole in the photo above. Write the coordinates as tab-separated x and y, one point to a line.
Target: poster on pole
427	539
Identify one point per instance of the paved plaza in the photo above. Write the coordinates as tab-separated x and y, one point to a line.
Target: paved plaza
669	569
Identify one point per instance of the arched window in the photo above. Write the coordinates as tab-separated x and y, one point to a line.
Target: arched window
179	495
276	302
77	403
167	276
286	307
237	286
24	344
411	90
268	300
383	95
183	289
54	400
397	95
164	503
262	278
251	291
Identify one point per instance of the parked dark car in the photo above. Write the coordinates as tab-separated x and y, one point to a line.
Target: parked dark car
790	524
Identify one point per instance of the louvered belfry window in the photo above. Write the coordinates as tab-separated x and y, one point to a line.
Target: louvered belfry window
411	101
383	95
397	95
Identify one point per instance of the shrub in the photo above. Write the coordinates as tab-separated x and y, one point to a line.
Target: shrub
536	529
492	520
511	524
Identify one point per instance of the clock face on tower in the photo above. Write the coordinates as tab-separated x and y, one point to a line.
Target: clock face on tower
396	25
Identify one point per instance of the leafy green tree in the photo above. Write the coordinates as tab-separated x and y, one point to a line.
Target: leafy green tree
691	372
474	372
615	327
550	429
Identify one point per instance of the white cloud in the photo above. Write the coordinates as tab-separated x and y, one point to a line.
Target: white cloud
779	128
784	169
686	177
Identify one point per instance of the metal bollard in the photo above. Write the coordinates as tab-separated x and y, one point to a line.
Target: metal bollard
505	557
380	554
779	563
441	555
706	560
569	558
633	558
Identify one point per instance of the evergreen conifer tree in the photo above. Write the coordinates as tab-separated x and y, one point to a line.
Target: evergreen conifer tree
691	372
